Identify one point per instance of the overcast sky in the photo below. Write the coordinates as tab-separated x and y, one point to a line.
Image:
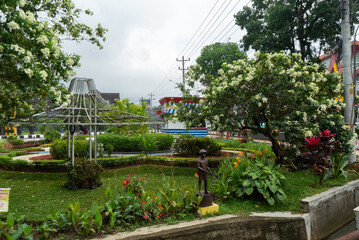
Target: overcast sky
144	39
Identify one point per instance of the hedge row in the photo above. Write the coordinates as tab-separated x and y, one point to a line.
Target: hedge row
124	143
189	146
7	163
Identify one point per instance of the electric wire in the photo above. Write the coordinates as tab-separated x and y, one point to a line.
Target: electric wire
200	41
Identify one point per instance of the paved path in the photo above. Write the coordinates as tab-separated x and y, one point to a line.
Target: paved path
27	157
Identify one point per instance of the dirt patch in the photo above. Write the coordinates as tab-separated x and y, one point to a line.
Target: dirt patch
42	157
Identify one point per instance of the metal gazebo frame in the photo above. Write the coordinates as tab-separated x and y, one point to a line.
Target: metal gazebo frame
87	107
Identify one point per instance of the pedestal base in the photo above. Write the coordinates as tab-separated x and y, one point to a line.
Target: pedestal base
214	208
206	199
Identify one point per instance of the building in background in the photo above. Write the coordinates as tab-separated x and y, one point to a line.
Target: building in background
333	62
110	97
169	107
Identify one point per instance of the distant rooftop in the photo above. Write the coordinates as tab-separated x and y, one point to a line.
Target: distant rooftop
110	97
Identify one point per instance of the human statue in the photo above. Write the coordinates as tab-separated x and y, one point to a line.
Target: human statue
202	170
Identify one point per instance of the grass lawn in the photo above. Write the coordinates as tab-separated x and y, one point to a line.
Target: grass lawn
34	195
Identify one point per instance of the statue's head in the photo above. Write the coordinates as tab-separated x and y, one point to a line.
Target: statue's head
202	151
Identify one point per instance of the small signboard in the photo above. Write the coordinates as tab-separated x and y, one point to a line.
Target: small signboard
4	199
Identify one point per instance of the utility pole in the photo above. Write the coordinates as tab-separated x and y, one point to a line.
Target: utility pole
151	98
347	74
183	68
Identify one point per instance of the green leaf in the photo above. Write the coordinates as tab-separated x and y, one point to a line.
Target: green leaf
26	229
271	201
272	187
239	192
16	235
9	237
266	194
246	183
281	197
249	190
10	220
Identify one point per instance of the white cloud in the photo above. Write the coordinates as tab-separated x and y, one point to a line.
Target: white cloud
143	41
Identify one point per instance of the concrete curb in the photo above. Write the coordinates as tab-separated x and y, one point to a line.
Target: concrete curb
226	227
332	209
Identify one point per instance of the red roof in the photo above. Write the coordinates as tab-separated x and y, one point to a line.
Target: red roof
174	99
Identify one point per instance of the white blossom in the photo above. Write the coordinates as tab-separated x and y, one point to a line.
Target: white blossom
43	74
46	52
70	61
30	17
42	39
27	59
22	3
29	72
13	25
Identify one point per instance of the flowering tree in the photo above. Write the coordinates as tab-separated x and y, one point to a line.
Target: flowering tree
269	92
32	61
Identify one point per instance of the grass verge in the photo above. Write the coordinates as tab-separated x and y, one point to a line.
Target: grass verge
34	195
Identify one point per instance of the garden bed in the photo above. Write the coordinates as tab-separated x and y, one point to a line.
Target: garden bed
42	157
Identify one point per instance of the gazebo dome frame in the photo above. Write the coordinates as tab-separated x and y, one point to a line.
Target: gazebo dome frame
87	108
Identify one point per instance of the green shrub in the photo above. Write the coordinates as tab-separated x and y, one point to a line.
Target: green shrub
121	143
14	140
11	137
51	134
84	175
17	142
164	141
177	202
149	143
2	144
81	137
187	145
15	228
59	149
253	178
340	164
126	143
135	184
109	149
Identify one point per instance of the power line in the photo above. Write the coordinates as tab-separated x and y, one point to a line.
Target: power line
198	28
185	53
193	46
172	68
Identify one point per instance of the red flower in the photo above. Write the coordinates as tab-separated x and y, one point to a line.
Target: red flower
327	133
312	141
125	183
146	217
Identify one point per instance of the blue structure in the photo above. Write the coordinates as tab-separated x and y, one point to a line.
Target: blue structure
168	107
